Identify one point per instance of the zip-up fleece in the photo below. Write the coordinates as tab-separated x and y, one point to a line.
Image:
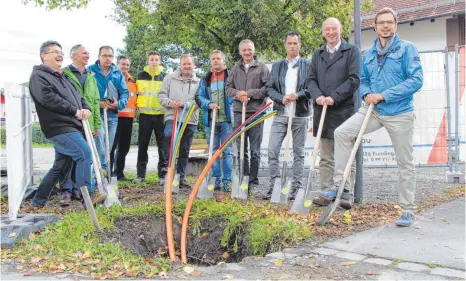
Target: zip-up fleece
253	82
90	92
175	88
56	101
115	83
149	84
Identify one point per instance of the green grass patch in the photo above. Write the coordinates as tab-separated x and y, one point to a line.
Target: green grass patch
72	245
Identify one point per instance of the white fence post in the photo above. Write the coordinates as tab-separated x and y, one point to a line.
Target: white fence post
18	145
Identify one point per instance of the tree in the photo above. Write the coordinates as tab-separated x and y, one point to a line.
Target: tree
203	25
59	4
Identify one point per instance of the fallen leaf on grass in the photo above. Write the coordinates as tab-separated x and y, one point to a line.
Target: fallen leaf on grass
163	275
279	262
188	269
225	255
371	273
181	277
227	277
347	263
196	273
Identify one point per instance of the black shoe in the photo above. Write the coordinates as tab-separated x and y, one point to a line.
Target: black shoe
65	199
184	184
122	178
268	196
75	194
293	193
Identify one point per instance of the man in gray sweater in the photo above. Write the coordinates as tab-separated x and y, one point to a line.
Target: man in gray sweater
178	90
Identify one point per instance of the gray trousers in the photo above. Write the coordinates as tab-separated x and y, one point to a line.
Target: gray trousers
277	135
327	166
400	129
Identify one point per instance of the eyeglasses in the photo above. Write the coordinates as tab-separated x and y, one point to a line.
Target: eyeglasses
107	56
386	22
56	52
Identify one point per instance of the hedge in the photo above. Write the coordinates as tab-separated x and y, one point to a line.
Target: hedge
38	136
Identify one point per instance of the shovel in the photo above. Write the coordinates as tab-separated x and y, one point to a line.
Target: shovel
282	186
322	220
303	200
175	129
206	189
112	181
240	190
102	185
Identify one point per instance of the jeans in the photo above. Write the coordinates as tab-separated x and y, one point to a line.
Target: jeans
277	135
100	140
121	145
254	135
185	145
222	130
68	147
147	124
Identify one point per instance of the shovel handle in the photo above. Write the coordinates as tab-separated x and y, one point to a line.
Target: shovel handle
288	130
319	134
212	132
107	146
95	158
241	148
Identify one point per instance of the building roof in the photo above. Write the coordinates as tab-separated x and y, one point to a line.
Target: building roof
414	10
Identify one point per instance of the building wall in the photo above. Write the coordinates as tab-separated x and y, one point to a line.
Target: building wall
424	34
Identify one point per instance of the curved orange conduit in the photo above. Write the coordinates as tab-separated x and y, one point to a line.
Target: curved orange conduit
192	196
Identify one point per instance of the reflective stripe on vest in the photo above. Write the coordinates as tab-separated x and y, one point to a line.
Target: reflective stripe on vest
132	110
151	110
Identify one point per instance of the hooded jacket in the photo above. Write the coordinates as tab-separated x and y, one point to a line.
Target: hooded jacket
149	84
111	85
56	101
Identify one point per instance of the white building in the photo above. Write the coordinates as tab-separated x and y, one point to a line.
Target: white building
429	24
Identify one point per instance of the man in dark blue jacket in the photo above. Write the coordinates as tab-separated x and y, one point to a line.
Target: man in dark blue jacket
210	96
61	110
287	87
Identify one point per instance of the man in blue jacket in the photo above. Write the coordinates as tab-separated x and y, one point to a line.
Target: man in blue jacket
391	73
112	86
210	96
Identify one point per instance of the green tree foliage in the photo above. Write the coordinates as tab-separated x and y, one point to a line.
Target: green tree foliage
199	26
59	4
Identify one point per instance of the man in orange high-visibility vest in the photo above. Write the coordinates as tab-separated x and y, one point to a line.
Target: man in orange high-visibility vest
125	121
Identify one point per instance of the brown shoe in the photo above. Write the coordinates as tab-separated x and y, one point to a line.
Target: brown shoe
65	199
98	198
321	201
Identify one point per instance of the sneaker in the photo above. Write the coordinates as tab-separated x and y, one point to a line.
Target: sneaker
268	195
98	198
218	184
184	184
75	194
161	181
122	178
405	220
138	180
227	186
325	198
65	199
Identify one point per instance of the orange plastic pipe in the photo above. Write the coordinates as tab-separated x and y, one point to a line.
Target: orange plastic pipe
189	204
168	215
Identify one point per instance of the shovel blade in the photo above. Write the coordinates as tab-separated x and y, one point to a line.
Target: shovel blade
112	197
235	184
280	192
243	188
206	189
175	184
302	203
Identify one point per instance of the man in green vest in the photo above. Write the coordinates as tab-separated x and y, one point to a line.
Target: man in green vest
84	81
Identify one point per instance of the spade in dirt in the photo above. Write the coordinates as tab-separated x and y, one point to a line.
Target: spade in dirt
206	189
303	200
240	186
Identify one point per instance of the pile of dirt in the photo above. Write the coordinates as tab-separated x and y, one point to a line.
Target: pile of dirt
145	236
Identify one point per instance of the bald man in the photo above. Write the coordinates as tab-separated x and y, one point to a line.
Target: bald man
334	80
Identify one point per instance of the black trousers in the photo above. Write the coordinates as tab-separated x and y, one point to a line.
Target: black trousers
147	124
121	145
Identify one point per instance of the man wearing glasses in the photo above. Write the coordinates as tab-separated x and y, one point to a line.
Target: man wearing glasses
61	110
114	95
391	73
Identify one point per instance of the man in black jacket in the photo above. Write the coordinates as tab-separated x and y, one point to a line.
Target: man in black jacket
61	110
288	88
334	81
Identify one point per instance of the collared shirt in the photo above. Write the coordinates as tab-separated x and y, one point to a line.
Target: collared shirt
80	75
291	83
333	50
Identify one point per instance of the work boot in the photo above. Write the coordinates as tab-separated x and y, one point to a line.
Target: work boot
346	200
98	198
75	194
405	220
65	199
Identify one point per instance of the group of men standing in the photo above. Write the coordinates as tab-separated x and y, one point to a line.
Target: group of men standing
387	76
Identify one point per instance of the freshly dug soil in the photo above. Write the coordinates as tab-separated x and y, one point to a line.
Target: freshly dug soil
145	236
